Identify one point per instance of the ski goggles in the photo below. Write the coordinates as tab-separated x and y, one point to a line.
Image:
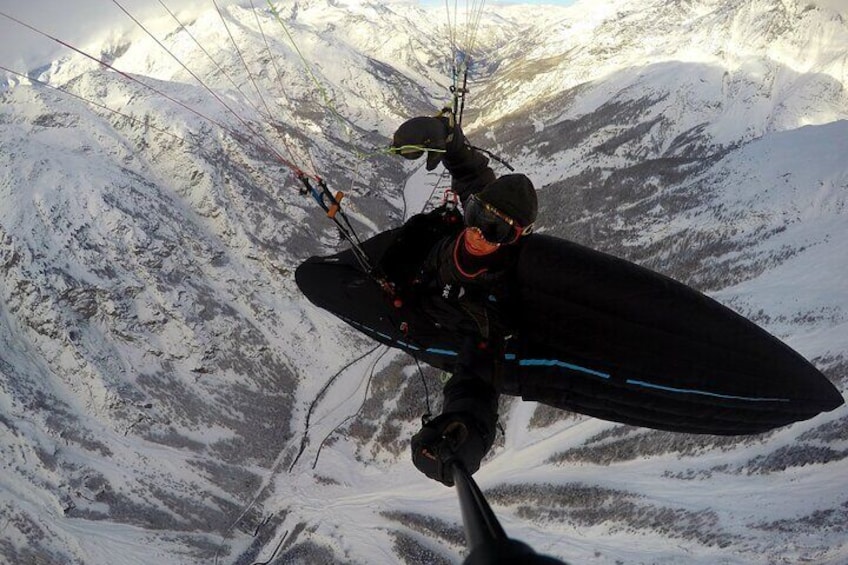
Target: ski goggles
494	225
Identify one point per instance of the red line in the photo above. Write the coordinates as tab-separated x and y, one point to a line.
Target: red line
232	132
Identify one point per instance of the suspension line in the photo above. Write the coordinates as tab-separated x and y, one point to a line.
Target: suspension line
209	56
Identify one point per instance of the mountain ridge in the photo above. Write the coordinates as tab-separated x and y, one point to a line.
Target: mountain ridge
159	367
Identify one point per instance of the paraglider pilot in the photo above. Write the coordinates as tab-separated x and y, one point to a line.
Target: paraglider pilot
462	267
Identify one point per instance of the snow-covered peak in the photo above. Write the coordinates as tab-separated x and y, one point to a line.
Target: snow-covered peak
165	391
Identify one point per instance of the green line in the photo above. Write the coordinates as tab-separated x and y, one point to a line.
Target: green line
323	91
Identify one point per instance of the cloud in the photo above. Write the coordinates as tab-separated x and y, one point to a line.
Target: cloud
87	23
79	23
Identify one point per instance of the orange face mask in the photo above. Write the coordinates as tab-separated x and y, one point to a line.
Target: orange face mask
476	244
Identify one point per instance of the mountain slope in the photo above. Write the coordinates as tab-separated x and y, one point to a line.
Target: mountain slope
159	368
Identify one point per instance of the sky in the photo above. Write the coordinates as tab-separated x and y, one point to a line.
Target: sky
93	20
77	22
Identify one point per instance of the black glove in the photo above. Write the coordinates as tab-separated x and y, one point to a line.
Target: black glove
445	439
426	133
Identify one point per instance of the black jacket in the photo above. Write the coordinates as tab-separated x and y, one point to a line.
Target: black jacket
422	265
423	260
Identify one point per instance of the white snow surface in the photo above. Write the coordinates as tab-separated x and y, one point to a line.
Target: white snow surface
158	366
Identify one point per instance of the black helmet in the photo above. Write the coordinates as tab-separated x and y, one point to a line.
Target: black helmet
514	196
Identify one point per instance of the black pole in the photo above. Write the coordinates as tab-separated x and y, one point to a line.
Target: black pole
487	542
481	524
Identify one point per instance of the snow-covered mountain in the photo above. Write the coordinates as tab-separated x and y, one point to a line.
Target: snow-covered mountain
167	395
